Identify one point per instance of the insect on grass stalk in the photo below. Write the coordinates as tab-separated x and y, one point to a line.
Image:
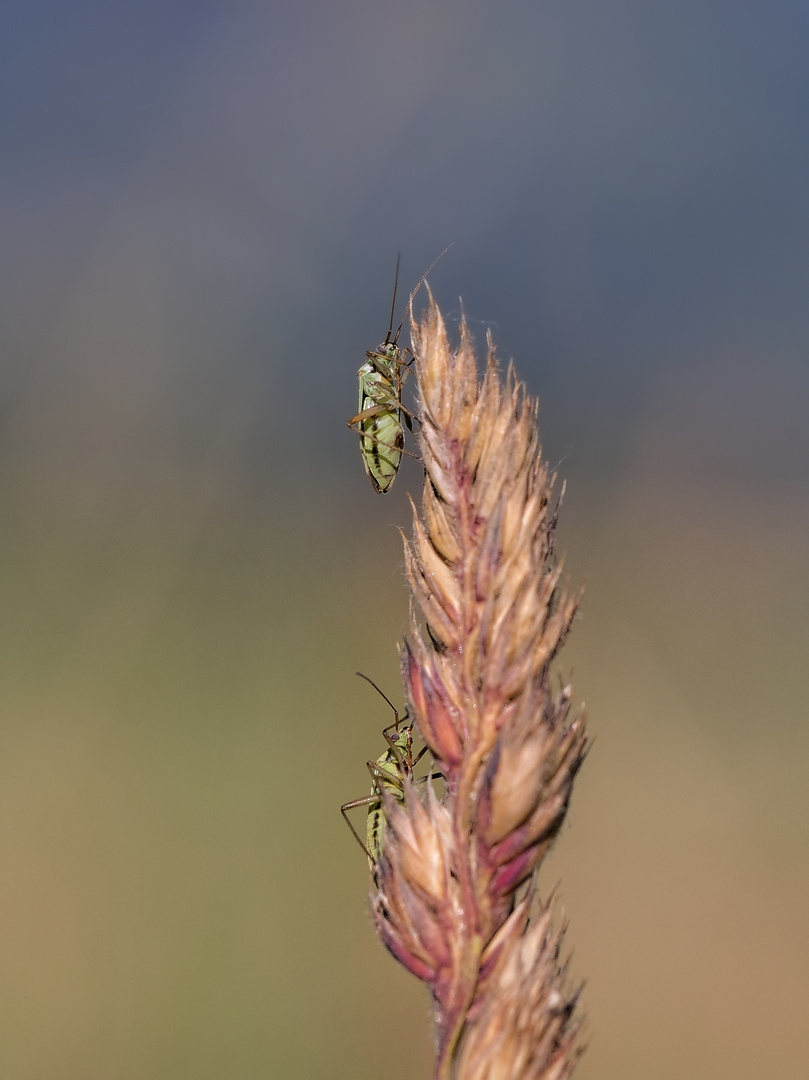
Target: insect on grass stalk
388	773
382	417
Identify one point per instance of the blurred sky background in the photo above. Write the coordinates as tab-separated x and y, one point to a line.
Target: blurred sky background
200	209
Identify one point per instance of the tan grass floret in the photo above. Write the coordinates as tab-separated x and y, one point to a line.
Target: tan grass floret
489	615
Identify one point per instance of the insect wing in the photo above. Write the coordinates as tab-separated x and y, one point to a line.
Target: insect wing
381	434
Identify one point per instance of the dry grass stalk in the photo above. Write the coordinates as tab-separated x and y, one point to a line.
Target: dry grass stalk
490	613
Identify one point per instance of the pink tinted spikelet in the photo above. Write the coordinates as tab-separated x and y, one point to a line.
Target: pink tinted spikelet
489	615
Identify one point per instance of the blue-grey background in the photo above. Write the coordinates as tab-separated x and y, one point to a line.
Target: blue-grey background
200	209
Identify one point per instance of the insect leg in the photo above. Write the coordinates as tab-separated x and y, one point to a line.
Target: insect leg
380	776
384	360
368	414
368	800
379	410
408	414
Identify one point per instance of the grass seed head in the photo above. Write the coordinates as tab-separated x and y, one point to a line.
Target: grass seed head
490	612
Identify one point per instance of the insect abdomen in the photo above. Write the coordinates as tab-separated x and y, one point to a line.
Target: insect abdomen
382	441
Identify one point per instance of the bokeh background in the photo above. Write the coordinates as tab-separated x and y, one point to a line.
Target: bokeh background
200	209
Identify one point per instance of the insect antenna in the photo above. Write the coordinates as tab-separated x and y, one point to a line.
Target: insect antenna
392	309
381	694
419	283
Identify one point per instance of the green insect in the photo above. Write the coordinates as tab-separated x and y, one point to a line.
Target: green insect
381	412
388	773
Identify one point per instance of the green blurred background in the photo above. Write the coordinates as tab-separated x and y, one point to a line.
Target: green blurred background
200	209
